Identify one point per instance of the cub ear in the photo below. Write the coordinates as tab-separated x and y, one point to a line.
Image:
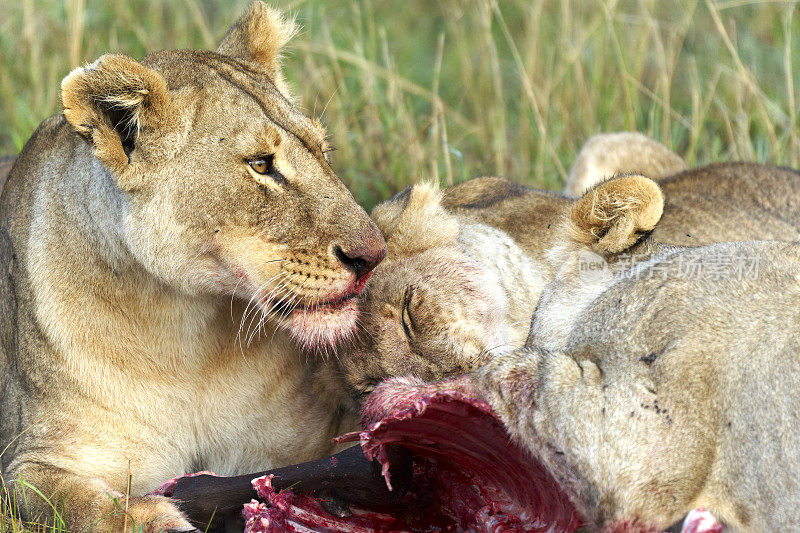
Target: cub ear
110	101
615	213
415	220
258	37
386	215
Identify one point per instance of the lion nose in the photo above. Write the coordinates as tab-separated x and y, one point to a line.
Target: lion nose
361	260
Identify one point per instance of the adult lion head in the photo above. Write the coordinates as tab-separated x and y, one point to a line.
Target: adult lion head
221	186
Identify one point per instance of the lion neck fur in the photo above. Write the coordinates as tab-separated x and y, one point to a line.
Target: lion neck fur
79	263
513	276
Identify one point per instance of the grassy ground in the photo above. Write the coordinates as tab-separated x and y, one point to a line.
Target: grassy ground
450	89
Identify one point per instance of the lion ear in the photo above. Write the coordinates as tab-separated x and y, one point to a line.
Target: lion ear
386	215
110	101
414	220
259	37
614	214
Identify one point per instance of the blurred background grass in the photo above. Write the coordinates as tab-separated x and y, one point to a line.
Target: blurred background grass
451	89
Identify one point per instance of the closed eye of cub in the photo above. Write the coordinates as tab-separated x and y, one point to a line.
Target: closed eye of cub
365	388
405	315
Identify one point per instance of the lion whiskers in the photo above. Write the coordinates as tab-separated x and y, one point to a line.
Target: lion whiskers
256	297
266	307
238	281
280	310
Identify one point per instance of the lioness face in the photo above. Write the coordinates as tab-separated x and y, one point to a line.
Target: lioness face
430	310
225	186
252	208
432	314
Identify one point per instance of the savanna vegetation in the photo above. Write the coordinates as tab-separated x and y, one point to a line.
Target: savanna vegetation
451	89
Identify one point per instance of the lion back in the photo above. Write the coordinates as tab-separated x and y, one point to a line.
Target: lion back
730	202
18	180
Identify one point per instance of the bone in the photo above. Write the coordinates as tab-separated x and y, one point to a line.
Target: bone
348	477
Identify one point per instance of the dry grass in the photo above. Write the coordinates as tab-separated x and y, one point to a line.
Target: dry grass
452	89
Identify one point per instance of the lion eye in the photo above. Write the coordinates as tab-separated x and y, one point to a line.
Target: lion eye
263	165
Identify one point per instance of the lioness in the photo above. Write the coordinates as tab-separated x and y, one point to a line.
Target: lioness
177	199
467	265
665	382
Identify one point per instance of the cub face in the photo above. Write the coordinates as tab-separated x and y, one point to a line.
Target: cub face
223	187
430	310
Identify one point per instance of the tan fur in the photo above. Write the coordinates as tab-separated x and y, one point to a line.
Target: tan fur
148	275
259	37
474	293
656	389
419	225
607	154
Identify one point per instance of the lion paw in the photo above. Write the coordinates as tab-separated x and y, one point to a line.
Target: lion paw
155	514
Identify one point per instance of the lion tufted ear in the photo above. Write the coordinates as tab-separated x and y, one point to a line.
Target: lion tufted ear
614	214
110	101
259	37
415	220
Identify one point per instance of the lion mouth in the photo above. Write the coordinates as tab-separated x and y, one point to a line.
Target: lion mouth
323	325
333	304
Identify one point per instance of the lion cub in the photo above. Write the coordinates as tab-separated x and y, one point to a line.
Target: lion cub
466	266
666	380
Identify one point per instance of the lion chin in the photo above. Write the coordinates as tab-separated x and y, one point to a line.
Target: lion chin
324	325
322	328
